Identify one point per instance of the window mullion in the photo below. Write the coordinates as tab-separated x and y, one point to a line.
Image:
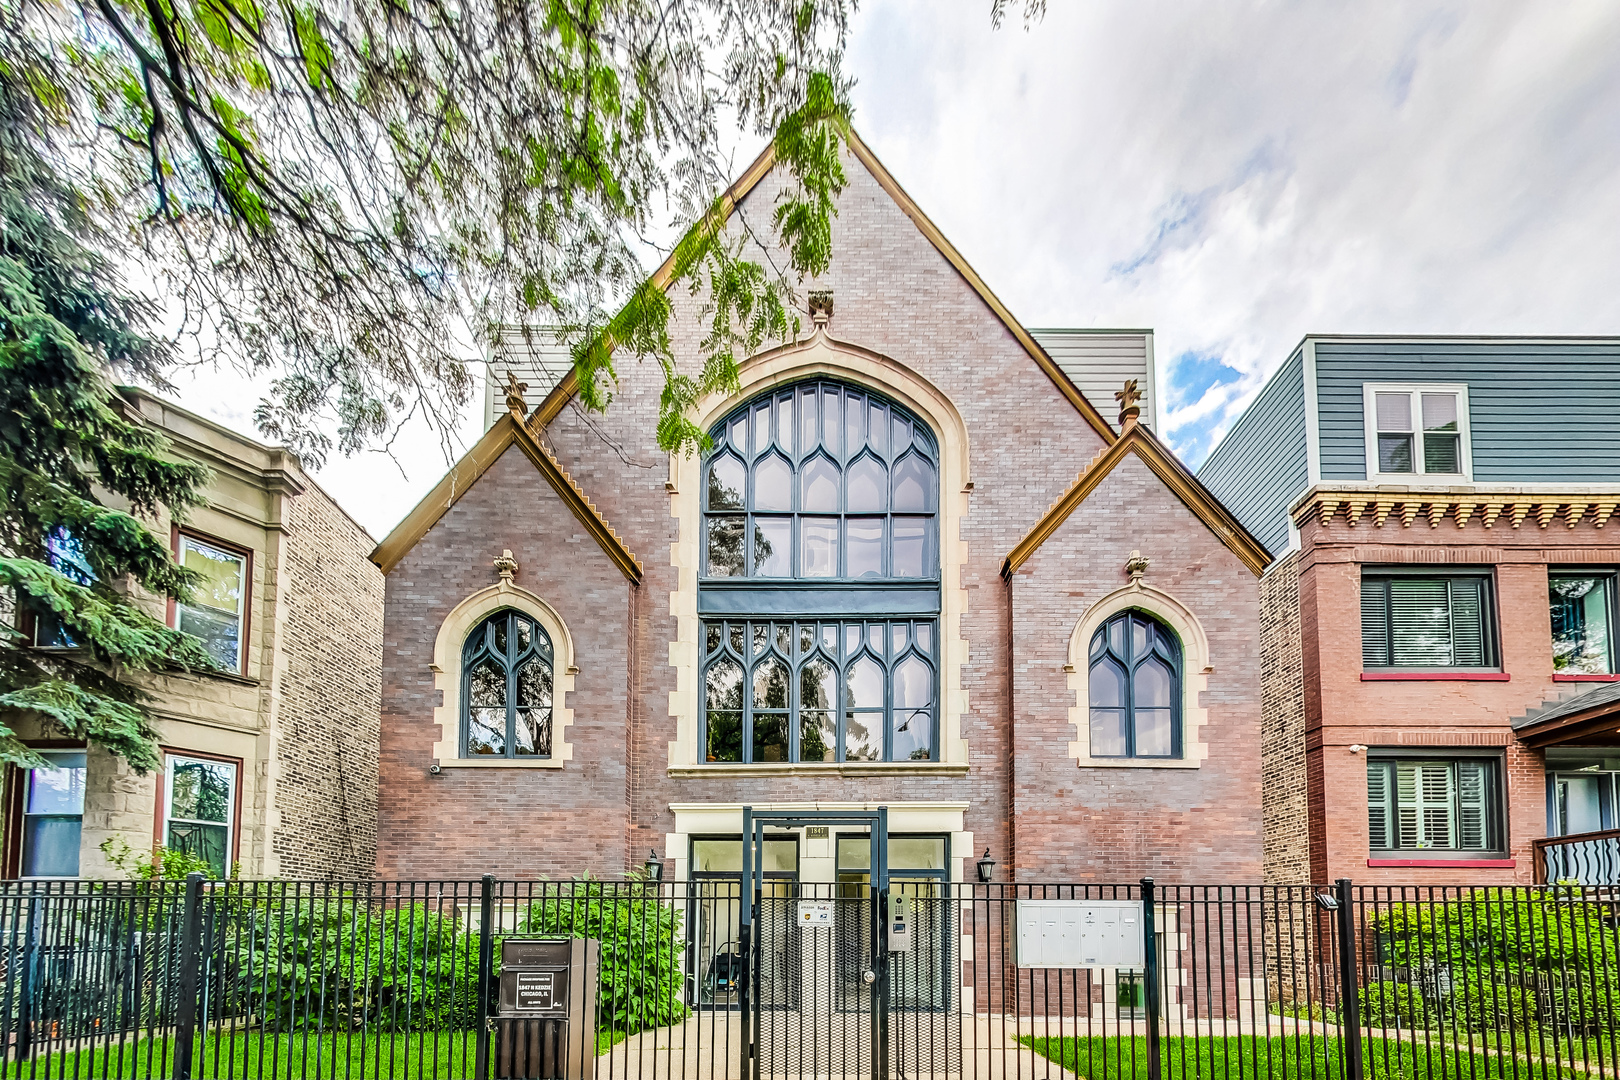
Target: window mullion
511	689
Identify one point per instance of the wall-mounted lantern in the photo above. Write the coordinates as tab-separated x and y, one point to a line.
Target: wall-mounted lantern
987	867
654	866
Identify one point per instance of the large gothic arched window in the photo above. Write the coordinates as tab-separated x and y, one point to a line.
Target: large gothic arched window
820	592
506	688
1135	683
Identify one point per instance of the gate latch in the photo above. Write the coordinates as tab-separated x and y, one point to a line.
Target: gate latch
869	976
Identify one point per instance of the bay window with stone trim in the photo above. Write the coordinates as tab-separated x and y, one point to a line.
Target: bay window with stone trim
820	586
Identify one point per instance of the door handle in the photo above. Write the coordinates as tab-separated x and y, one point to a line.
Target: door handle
869	976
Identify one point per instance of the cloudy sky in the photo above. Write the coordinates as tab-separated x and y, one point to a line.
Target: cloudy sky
1233	175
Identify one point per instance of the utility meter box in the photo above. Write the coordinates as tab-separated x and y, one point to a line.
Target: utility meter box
546	1016
1079	934
900	912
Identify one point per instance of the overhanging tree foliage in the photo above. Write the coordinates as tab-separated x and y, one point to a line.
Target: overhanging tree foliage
64	323
340	190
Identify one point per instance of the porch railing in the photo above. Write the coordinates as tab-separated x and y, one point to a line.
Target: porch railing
1589	858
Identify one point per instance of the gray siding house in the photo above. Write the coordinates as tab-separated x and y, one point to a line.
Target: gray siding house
1531	411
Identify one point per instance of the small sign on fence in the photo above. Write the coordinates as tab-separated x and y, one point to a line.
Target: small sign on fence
815	912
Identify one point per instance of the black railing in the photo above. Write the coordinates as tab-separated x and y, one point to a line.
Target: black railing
399	979
1589	858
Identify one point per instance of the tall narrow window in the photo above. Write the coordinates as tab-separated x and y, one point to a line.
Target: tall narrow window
820	589
53	811
1416	430
214	612
64	553
200	810
1582	609
1135	683
1434	805
1423	622
506	688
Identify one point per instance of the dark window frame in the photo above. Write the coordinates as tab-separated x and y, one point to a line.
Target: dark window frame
1490	621
1498	841
1130	663
1612	586
818	601
511	663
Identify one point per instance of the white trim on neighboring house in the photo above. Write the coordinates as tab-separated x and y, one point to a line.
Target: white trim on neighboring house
1313	420
1195	672
1369	421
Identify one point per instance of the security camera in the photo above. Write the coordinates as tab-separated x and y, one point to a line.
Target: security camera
434	770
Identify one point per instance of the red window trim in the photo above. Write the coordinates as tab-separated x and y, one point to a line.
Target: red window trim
1457	864
1585	678
12	863
159	808
1436	676
175	533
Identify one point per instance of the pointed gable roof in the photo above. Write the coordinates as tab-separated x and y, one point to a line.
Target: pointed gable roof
506	431
750	179
1167	467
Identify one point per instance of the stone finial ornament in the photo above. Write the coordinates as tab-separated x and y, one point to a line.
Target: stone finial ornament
514	397
821	303
1129	410
506	566
1136	566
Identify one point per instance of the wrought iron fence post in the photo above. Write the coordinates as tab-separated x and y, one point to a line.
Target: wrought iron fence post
25	1006
185	1018
1150	978
1349	983
486	970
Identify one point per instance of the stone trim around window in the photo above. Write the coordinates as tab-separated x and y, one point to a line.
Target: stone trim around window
446	669
821	356
1195	671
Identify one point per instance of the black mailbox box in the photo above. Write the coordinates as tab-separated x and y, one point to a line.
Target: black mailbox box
546	1012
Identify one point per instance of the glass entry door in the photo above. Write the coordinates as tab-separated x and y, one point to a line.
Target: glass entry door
718	962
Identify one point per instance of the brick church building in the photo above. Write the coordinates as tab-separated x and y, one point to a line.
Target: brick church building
920	568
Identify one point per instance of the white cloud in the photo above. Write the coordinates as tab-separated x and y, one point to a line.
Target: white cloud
1233	175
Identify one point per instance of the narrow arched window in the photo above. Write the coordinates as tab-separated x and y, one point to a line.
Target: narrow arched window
820	587
1135	683
506	688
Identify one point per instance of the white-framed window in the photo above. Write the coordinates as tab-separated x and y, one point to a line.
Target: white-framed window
199	809
53	813
1417	429
217	609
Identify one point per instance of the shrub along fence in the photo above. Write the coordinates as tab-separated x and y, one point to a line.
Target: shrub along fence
401	979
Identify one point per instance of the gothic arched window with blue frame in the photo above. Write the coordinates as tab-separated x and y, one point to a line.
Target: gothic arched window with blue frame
1135	684
506	669
820	587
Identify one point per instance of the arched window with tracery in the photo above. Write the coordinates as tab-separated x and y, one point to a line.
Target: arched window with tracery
1135	684
820	589
506	681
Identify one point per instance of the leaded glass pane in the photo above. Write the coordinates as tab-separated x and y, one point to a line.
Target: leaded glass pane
486	731
818	736
913	734
487	684
863	547
1108	733
726	547
762	427
911	546
1152	689
877	432
1133	683
771	736
913	684
864	684
773	484
832	416
868	486
726	480
773	546
863	738
818	547
1152	732
534	684
914	484
770	684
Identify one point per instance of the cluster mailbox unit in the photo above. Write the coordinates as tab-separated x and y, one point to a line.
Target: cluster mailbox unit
546	1021
1080	934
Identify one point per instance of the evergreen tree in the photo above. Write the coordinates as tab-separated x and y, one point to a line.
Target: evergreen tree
65	555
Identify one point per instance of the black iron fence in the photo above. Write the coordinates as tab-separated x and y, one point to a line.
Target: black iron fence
1589	858
404	979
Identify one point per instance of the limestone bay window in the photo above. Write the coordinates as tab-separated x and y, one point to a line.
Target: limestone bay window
820	585
506	665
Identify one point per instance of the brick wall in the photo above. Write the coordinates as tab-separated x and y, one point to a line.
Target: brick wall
1282	727
1342	710
895	294
514	822
326	731
1108	823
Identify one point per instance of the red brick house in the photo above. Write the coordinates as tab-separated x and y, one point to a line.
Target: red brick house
919	569
1441	659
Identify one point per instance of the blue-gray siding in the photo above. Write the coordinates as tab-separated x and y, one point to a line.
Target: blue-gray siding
1261	465
1542	412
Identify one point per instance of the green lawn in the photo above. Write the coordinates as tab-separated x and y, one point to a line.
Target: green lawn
1220	1057
417	1056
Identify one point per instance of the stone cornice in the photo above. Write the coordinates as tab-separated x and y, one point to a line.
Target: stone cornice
1376	506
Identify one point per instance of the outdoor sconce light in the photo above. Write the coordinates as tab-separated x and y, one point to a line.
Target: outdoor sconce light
987	867
654	866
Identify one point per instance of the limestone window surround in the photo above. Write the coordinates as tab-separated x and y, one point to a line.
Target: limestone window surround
823	356
446	670
1195	672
